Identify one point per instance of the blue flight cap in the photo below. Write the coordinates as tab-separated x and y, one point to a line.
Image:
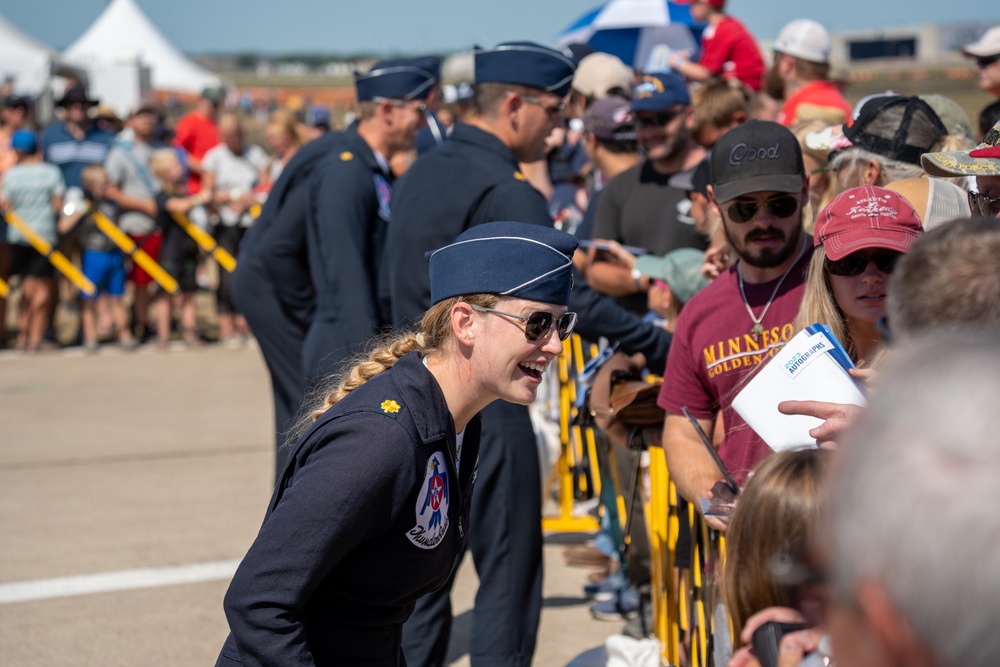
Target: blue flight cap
507	258
526	64
394	80
430	63
659	92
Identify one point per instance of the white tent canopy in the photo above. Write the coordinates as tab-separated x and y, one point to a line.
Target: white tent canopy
26	61
124	33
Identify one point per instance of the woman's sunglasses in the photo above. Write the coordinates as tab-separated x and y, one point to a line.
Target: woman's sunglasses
538	324
780	207
856	263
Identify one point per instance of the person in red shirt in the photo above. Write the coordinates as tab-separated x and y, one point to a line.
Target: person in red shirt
728	50
800	75
197	132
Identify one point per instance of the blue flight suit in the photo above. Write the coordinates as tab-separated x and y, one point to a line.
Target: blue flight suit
272	287
346	229
474	178
370	514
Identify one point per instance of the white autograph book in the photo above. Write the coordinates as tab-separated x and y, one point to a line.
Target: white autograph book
812	366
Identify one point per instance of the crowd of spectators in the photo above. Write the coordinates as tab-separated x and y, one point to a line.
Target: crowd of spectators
728	203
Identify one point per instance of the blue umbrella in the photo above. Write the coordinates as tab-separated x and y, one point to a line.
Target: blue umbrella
640	32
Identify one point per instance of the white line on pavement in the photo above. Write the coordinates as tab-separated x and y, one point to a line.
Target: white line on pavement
122	580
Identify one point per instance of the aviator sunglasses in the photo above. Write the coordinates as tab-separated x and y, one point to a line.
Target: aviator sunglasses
780	207
856	263
980	204
538	324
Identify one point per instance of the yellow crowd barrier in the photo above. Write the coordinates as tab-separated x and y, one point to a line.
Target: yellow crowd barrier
683	588
56	258
138	255
206	242
4	289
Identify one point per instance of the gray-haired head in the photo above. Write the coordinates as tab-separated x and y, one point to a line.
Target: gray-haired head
913	509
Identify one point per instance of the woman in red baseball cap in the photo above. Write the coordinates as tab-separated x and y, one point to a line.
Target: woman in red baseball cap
859	236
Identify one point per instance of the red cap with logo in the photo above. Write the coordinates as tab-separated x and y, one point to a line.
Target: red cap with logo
866	217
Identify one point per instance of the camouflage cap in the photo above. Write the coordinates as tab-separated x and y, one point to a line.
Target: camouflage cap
983	160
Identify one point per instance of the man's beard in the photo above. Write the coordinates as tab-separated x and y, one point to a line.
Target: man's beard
674	146
774	85
767	258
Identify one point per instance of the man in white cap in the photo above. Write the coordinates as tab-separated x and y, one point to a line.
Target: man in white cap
800	75
986	51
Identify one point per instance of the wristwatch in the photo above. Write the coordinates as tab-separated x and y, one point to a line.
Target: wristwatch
636	276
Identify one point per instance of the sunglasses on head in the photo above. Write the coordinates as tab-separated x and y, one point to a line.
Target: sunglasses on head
779	207
986	61
538	324
856	263
982	205
660	119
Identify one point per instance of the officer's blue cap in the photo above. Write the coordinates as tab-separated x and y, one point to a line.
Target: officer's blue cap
395	80
526	64
658	92
507	258
430	63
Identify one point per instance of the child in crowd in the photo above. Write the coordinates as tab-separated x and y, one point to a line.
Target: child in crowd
32	190
179	252
103	262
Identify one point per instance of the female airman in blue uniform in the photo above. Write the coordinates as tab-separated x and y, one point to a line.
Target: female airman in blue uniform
372	509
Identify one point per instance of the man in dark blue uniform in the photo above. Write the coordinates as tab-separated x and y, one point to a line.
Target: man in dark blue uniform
472	179
348	215
273	283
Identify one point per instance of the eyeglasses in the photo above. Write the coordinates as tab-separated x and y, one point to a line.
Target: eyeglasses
660	119
539	323
856	263
553	110
983	205
986	61
780	207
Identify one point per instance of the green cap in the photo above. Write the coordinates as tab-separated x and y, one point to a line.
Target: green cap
679	269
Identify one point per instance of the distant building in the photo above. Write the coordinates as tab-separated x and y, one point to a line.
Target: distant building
925	44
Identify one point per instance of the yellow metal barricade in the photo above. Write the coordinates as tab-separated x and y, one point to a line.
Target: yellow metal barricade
574	441
4	289
138	255
206	242
56	258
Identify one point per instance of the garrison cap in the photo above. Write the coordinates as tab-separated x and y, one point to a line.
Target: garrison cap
430	63
526	64
507	258
395	80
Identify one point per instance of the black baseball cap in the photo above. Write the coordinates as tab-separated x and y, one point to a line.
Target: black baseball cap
757	156
909	128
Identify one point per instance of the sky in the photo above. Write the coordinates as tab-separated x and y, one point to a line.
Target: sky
421	26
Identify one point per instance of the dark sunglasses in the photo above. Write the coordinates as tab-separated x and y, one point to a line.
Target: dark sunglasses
538	324
657	119
856	263
980	204
986	61
779	207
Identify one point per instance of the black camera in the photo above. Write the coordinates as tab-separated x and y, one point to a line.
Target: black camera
767	640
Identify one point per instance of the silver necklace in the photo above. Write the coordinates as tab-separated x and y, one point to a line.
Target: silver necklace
758	329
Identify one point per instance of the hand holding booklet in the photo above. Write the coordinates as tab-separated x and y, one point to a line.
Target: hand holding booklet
812	366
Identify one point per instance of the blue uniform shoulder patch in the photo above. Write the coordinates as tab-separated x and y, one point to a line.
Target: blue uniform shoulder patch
432	505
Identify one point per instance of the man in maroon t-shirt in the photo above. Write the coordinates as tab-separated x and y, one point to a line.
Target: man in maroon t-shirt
759	186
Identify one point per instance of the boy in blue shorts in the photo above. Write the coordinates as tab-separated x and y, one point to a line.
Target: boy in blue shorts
103	262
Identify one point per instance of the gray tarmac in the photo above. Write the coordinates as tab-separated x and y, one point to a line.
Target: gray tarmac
130	486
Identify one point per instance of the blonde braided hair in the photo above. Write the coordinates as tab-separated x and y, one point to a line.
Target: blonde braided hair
435	327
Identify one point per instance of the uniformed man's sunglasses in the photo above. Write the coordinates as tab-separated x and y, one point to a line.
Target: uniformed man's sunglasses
856	263
553	110
538	324
780	207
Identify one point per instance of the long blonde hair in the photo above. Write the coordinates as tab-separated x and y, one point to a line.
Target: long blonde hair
818	304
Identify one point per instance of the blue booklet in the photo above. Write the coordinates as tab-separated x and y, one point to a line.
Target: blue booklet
812	366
